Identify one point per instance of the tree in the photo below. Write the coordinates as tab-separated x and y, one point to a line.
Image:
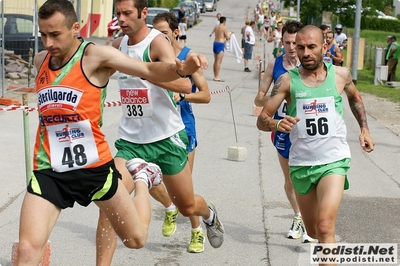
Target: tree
344	8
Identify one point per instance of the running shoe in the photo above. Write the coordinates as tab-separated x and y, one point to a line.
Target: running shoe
215	231
295	231
169	225
305	238
197	242
152	172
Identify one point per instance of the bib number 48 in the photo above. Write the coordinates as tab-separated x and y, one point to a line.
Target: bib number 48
75	156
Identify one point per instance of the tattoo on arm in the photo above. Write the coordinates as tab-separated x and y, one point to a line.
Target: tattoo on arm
357	107
347	86
276	87
349	78
264	122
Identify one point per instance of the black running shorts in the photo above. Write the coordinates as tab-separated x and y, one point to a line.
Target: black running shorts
81	186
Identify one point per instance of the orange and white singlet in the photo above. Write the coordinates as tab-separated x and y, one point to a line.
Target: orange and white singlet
70	111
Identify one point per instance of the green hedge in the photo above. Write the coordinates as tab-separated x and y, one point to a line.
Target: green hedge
163	3
372	23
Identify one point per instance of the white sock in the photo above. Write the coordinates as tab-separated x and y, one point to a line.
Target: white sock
143	177
297	214
210	219
172	207
198	228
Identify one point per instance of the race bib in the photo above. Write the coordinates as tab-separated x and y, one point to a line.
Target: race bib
72	146
282	109
136	103
327	59
317	117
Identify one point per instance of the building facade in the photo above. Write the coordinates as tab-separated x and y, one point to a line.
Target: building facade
93	15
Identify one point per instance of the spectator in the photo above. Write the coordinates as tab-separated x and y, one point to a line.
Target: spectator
217	20
389	42
340	37
250	40
246	24
181	13
392	56
221	36
183	29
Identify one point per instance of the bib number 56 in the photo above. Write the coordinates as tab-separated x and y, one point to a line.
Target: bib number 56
317	126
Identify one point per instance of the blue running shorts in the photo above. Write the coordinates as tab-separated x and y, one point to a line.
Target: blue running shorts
218	47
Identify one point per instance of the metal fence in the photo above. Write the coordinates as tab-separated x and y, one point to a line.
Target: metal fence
370	55
19	40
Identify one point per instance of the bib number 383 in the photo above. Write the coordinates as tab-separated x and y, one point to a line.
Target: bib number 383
136	102
72	146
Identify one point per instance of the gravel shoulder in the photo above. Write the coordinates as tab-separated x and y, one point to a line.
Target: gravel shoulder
384	111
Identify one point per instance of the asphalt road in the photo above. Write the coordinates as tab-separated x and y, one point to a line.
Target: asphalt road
249	195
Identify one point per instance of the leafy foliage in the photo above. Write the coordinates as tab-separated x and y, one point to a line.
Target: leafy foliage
163	3
345	9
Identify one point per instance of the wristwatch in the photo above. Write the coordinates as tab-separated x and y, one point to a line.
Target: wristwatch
182	95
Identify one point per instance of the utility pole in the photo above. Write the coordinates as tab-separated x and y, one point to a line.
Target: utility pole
78	10
357	25
298	10
3	83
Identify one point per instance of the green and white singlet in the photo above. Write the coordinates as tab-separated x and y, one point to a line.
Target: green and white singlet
149	111
320	135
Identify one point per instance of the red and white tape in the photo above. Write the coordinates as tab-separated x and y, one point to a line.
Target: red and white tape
220	91
107	104
31	109
112	104
16	107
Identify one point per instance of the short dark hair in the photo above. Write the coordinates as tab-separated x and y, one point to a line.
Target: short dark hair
168	17
324	27
65	7
292	26
139	4
330	32
222	19
252	23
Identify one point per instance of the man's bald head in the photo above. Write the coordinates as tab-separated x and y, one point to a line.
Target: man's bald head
311	30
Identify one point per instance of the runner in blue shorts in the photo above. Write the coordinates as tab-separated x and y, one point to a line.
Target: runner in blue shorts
281	140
